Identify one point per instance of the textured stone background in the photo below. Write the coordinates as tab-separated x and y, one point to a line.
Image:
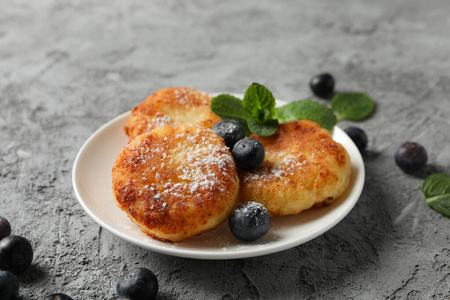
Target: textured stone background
67	67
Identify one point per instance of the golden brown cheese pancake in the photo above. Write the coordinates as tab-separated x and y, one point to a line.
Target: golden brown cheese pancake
176	181
171	106
303	167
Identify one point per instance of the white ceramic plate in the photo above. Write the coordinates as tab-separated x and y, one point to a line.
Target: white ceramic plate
93	188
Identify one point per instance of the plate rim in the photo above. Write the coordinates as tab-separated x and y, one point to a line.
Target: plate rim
171	249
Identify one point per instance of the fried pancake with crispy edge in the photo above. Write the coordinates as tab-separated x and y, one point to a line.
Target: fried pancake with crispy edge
303	167
171	106
176	181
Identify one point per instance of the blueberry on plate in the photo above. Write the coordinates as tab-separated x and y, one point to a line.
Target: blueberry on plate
5	228
410	157
139	284
248	154
57	296
358	136
230	130
249	221
9	285
16	254
322	85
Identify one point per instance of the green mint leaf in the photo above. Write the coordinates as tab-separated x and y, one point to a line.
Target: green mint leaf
352	106
230	107
436	189
307	109
263	129
260	102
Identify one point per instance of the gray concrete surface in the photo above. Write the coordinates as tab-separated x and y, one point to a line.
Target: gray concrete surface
67	67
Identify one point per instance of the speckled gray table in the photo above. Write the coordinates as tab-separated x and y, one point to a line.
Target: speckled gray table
67	67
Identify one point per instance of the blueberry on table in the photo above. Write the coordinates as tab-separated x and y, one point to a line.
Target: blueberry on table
410	157
248	154
5	228
58	296
9	285
249	221
16	254
358	136
139	284
230	130
322	85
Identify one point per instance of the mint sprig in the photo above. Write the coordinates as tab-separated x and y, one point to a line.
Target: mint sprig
257	112
436	189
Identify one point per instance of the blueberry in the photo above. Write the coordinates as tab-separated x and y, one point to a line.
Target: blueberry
410	157
139	284
248	154
249	221
5	228
230	130
358	136
322	85
9	285
16	254
58	296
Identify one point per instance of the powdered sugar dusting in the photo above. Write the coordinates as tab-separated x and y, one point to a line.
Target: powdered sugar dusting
186	96
159	120
269	171
203	163
186	167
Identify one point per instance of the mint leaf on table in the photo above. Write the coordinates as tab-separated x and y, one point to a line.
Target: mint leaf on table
259	102
352	106
230	107
436	189
262	129
307	109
